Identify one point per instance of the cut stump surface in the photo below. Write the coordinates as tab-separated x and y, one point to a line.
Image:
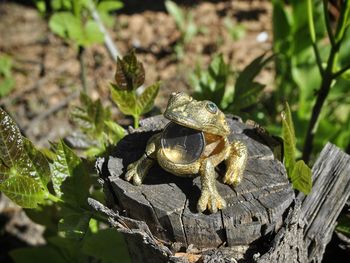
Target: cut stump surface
167	203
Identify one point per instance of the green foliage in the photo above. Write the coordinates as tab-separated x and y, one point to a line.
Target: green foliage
184	23
305	64
215	84
236	31
247	91
129	77
299	173
7	81
344	225
26	178
103	246
72	20
95	121
68	26
212	83
69	178
23	176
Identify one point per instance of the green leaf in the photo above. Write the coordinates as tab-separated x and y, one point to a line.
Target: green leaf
281	27
37	255
346	75
145	101
115	132
5	66
311	21
90	116
246	77
130	73
124	99
92	34
109	6
344	224
301	177
248	97
6	86
288	135
70	248
74	224
69	178
175	11
37	161
211	84
131	104
45	215
67	26
24	191
107	245
11	144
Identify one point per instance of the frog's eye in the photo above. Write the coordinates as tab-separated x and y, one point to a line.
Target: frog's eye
211	107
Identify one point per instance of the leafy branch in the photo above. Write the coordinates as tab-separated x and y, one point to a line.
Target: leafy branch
129	77
96	122
328	74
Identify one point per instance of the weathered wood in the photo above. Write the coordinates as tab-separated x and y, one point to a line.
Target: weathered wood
167	203
330	191
160	222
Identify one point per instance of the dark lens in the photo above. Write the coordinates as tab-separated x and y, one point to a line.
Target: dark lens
182	145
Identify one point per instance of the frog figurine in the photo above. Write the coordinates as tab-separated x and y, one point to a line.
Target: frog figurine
180	149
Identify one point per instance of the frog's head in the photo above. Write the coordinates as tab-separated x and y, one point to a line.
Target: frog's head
199	115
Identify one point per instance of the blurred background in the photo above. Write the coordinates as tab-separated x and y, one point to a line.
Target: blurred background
248	56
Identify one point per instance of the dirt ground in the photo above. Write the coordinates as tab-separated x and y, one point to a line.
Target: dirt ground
46	68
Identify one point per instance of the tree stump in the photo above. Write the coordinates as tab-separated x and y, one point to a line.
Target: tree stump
264	222
167	203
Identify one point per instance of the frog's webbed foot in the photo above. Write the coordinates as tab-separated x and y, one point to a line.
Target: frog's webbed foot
236	163
210	198
137	170
211	201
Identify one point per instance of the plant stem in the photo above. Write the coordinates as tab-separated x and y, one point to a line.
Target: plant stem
318	58
136	121
81	51
110	46
54	198
328	23
341	71
327	79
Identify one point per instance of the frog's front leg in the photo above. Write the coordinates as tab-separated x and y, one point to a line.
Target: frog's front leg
210	198
137	170
236	163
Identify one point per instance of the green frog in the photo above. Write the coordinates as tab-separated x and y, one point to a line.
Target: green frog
203	119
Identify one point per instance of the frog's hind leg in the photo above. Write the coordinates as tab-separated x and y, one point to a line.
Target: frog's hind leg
137	170
236	163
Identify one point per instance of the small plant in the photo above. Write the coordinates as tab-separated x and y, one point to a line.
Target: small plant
129	77
184	23
219	84
213	83
73	21
95	121
54	185
298	172
55	192
7	81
